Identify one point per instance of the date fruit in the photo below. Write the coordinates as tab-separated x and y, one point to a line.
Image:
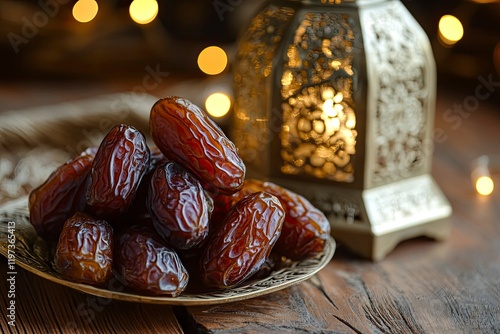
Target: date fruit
239	247
60	196
305	230
222	205
140	207
184	133
145	265
180	208
119	166
156	159
84	252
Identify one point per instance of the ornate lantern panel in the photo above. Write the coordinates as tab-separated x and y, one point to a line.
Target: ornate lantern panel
335	100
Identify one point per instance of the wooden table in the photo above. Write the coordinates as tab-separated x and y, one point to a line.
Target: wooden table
423	286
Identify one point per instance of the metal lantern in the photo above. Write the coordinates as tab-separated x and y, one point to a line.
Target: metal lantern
335	100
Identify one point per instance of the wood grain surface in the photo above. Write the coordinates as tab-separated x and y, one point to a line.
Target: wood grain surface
45	307
423	286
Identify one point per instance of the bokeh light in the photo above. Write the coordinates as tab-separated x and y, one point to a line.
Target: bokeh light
451	29
85	10
485	1
485	185
218	104
143	11
212	60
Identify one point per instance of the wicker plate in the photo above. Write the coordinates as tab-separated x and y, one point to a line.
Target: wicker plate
33	254
34	142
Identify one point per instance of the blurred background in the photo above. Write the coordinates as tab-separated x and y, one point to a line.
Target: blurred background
87	39
58	50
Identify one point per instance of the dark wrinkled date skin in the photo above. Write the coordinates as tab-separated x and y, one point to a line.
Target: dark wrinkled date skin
140	207
305	230
60	196
185	134
222	205
119	166
239	247
156	159
180	208
84	252
145	265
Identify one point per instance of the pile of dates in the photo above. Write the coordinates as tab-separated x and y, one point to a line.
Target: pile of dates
156	217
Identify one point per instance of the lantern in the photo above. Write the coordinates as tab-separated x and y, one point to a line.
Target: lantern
335	100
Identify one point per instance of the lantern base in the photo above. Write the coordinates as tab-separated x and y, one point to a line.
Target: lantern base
372	222
376	247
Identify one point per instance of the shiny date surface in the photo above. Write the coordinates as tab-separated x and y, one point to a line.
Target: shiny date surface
305	230
239	247
185	134
119	166
60	196
84	251
145	265
180	207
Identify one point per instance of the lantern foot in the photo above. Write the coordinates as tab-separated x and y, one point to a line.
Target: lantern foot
373	221
377	247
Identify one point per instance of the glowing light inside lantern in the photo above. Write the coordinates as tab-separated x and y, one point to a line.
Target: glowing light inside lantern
143	11
329	109
85	10
451	29
338	98
218	104
485	185
212	60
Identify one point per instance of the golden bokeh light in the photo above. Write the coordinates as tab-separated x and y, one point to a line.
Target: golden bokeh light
212	60
451	29
485	185
485	1
143	11
218	104
85	10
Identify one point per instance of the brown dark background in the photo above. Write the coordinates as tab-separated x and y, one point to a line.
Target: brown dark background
423	286
112	46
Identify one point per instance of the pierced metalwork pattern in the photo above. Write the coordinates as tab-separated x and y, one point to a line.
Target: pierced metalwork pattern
252	131
399	72
396	204
339	207
318	136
